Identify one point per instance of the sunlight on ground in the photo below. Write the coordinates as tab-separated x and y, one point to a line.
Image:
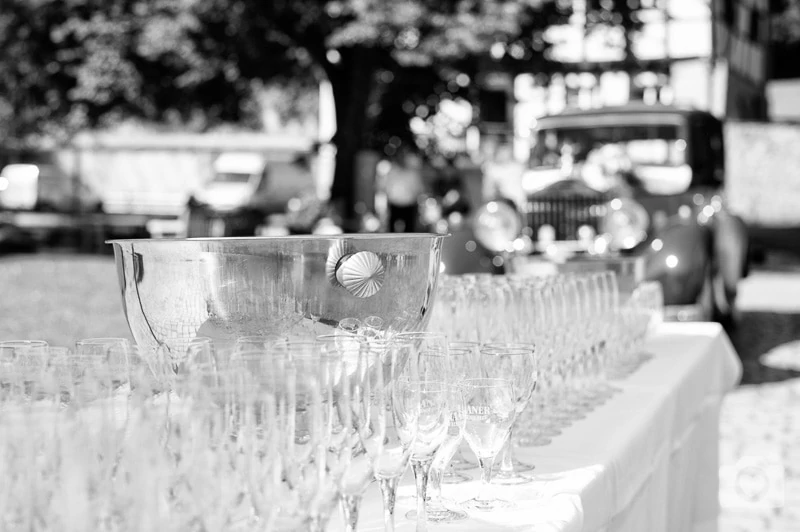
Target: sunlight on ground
760	458
60	298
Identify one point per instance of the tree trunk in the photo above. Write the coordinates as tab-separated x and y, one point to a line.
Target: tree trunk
352	80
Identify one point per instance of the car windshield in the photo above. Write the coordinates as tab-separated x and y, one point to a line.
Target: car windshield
231	177
654	145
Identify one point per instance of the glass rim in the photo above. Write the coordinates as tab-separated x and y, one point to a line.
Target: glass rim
474	382
419	334
260	337
24	343
101	340
188	339
509	350
336	335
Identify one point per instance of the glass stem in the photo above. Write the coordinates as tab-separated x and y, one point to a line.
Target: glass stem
486	479
314	525
421	469
389	492
349	505
507	464
434	491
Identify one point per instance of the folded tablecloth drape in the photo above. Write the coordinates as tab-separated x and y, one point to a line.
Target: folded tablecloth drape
645	461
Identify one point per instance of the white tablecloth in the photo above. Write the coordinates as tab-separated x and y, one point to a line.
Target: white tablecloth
646	461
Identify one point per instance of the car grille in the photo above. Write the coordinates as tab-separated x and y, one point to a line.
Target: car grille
565	214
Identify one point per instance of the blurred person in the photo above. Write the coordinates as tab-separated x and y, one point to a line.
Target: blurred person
502	176
403	185
450	188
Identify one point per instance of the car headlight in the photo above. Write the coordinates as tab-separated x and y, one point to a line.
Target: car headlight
625	223
496	226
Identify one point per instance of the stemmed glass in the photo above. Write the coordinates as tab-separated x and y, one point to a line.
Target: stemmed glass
434	415
363	378
490	409
335	457
309	405
464	359
603	287
390	415
538	426
515	363
436	508
587	301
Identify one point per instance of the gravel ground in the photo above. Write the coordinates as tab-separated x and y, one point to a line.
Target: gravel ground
62	298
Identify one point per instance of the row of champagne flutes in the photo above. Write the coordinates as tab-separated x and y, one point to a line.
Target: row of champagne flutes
587	333
267	435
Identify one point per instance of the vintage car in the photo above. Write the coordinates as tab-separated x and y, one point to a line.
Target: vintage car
635	183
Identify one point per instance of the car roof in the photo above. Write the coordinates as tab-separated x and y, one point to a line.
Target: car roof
623	115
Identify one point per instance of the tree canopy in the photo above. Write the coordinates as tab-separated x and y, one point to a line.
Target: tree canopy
72	64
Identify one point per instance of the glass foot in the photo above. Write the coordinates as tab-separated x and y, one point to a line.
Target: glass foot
535	441
487	505
439	515
511	478
454	477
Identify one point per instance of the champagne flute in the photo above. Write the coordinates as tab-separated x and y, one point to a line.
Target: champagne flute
515	363
489	411
310	430
434	415
394	415
364	378
463	359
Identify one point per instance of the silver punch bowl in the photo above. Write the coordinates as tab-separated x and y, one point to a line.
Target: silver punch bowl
298	286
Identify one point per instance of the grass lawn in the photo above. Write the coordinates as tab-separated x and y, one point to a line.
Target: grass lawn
60	298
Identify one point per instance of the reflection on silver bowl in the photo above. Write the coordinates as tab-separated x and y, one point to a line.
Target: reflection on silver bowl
225	288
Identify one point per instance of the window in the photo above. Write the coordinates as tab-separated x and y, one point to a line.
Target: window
231	177
644	144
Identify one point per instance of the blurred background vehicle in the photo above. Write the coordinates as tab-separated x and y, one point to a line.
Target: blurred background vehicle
632	181
251	190
33	180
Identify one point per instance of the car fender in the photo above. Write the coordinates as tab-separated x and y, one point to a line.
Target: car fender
461	252
731	248
679	256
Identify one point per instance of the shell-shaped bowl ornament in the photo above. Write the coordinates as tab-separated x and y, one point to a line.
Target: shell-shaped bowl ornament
337	254
361	273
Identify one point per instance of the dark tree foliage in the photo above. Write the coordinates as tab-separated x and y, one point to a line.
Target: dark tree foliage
786	21
785	39
72	64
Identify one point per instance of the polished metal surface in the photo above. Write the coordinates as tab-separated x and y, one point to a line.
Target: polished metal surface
301	286
566	213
